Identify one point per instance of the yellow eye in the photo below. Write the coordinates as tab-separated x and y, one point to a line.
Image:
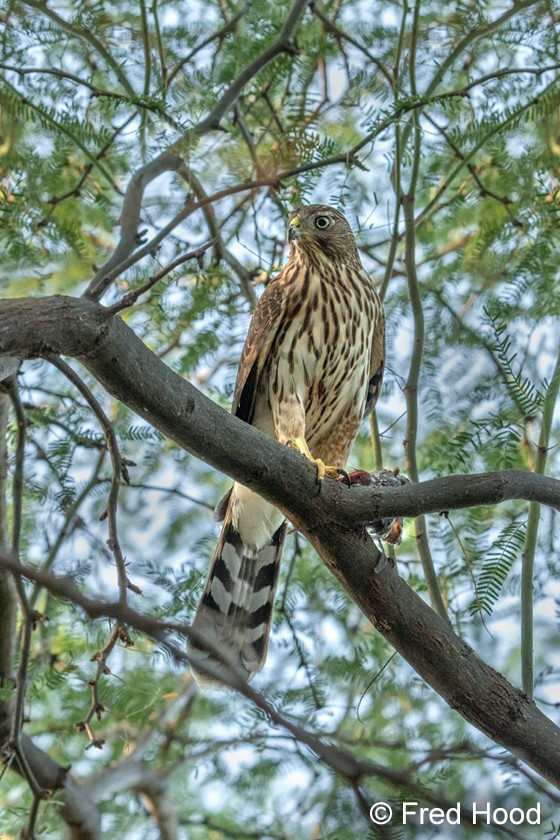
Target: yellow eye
322	222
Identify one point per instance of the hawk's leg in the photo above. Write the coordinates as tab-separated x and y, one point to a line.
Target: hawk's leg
300	445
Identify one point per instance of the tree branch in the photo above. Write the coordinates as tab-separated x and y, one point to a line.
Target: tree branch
139	776
79	813
133	374
169	160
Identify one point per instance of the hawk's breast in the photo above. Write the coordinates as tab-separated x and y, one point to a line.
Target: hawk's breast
321	357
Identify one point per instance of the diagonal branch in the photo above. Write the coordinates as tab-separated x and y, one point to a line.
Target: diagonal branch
170	161
132	373
131	297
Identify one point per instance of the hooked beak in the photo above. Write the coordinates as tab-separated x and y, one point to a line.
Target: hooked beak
293	229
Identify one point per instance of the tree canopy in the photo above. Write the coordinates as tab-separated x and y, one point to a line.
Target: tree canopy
151	153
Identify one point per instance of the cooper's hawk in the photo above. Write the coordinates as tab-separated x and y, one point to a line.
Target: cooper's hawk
310	370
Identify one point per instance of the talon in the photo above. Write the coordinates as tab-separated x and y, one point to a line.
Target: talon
343	476
300	445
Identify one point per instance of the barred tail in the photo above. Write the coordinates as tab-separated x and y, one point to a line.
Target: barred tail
235	611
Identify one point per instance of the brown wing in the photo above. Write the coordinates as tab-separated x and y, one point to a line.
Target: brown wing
264	326
377	365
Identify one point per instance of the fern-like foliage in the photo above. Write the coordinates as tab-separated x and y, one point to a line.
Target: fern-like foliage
500	558
522	391
90	94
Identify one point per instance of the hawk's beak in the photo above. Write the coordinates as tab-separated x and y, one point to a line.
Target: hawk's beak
293	229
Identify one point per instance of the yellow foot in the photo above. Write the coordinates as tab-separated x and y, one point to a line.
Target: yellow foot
300	445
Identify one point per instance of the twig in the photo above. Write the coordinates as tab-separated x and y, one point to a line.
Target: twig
120	470
434	201
340	34
412	384
70	515
29	616
219	34
215	232
62	127
28	832
76	191
169	160
468	564
484	191
303	660
97	708
485	343
295	555
97	92
86	35
131	297
175	491
529	548
474	35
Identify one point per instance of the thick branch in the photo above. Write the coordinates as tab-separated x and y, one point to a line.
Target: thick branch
131	373
133	772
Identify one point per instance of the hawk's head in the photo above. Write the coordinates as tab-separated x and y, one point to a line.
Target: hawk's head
319	227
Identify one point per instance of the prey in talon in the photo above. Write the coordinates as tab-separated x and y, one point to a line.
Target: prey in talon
310	371
389	529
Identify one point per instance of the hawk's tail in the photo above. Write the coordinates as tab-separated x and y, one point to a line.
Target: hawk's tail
235	611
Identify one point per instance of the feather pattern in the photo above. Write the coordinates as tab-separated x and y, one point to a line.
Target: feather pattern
311	368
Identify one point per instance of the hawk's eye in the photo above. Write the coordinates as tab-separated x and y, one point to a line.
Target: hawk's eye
322	222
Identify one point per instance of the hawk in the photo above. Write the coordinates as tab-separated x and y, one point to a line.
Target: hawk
310	371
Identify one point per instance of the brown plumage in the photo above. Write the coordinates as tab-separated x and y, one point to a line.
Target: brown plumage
310	370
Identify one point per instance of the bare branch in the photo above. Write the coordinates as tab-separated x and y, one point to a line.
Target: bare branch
114	354
134	101
130	371
131	297
120	470
169	160
97	709
218	35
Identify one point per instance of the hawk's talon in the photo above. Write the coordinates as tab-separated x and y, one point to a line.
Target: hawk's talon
345	477
300	445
